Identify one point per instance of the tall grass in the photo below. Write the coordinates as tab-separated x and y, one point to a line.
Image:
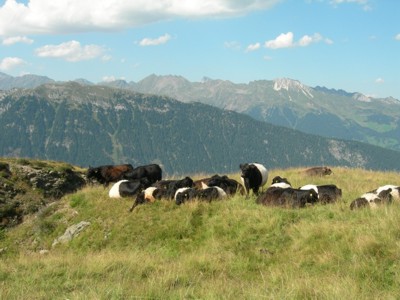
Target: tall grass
228	249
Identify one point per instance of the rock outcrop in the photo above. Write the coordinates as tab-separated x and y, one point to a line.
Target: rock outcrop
26	186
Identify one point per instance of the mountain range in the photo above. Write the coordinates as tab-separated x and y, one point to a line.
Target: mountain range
285	102
94	125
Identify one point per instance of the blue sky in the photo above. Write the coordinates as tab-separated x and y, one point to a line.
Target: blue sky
343	44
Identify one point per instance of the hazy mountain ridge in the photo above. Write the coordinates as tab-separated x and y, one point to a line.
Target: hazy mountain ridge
25	81
290	103
93	125
284	102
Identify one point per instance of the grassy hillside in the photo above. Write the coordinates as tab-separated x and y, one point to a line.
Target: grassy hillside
233	249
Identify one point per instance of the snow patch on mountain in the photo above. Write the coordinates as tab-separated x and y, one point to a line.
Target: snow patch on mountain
292	85
361	97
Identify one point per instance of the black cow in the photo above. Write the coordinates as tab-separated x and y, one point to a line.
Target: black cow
153	173
128	188
287	197
171	186
208	194
108	173
253	177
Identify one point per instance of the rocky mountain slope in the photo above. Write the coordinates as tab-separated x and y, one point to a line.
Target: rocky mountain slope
28	185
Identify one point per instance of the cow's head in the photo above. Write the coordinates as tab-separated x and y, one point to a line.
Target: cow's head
93	173
247	170
327	171
187	182
182	197
279	179
385	196
312	196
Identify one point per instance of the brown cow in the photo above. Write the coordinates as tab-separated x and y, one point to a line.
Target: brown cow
108	173
318	171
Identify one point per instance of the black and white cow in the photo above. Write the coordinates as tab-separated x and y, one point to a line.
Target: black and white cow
287	197
128	188
171	186
327	193
253	176
280	182
395	190
279	179
372	199
149	195
208	194
229	185
153	173
163	189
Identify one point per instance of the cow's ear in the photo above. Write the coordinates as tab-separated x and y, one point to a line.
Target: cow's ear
241	166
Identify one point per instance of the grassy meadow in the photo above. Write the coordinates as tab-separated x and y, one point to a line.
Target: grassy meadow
230	249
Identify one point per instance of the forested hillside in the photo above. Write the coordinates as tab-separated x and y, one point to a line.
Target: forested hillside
94	125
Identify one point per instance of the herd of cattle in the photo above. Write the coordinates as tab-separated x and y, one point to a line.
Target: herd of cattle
145	183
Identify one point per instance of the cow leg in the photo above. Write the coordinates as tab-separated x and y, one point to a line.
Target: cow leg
247	187
133	206
255	190
139	200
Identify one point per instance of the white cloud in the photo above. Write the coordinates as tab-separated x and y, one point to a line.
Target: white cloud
397	37
16	39
71	51
111	78
11	62
284	40
108	79
253	47
364	3
71	16
379	80
155	42
307	40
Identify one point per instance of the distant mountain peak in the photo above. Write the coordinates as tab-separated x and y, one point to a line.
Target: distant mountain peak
361	97
292	85
4	76
83	81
